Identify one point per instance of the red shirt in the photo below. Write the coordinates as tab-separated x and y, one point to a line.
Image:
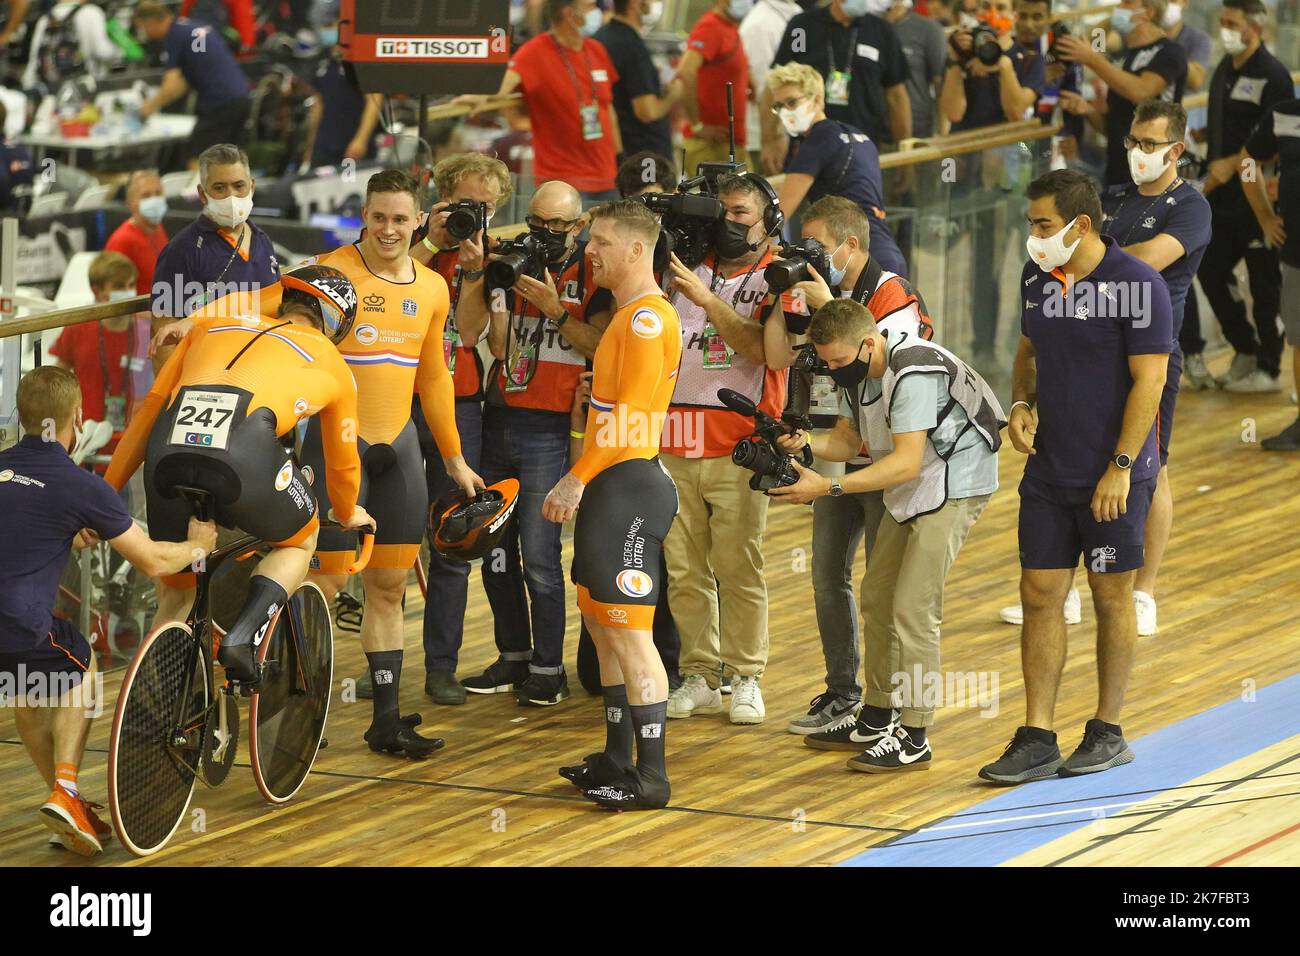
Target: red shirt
464	361
557	82
717	39
141	247
78	348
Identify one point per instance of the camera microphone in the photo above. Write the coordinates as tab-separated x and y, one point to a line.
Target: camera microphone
737	402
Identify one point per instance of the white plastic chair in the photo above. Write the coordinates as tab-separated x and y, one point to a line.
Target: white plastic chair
48	205
74	288
180	183
96	197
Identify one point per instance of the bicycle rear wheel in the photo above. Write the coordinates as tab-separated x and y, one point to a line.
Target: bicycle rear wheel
289	706
157	737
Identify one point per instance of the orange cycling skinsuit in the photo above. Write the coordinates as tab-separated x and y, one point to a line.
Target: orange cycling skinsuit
395	347
629	502
218	416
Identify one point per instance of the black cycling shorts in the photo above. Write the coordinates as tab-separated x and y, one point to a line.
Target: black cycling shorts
622	521
256	484
393	490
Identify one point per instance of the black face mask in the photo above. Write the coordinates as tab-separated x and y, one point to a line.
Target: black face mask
851	375
731	239
556	244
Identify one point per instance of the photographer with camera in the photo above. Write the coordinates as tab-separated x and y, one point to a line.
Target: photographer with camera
470	189
715	555
937	423
828	157
838	228
541	295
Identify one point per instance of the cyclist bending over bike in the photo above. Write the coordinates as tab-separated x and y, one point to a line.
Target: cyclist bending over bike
221	417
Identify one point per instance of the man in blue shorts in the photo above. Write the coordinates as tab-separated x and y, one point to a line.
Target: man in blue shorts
1096	333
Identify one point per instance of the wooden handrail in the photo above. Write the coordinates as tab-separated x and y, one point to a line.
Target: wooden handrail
74	316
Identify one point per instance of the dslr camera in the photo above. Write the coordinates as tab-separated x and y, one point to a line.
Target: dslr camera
792	267
1057	30
983	46
772	467
465	219
524	255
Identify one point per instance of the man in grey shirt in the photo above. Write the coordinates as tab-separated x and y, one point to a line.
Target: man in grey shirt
1192	39
926	49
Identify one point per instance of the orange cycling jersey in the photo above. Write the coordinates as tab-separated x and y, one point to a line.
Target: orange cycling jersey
394	348
635	370
291	369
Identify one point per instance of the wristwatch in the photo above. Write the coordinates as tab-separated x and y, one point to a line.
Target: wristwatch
1122	461
472	275
836	488
556	323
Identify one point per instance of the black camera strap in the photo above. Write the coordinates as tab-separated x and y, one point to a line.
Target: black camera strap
539	327
868	280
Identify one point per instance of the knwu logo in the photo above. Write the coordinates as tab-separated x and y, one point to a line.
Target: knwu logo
1102	558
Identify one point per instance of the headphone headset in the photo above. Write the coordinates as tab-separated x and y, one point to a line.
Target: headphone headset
773	217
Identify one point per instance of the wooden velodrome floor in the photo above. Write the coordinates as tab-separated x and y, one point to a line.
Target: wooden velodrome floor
1229	616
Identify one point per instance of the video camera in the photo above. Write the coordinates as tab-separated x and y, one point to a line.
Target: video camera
772	467
524	255
465	219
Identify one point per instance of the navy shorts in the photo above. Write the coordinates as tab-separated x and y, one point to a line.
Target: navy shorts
64	650
1168	399
1056	526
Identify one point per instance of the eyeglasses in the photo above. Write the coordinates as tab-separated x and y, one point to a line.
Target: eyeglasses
778	106
554	225
1147	145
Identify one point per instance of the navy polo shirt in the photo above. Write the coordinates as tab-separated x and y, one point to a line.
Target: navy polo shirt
198	258
15	170
342	104
637	77
200	52
46	500
1278	134
1183	212
1082	338
984	93
1164	57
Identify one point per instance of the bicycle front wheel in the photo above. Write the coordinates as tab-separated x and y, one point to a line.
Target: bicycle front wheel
290	704
157	737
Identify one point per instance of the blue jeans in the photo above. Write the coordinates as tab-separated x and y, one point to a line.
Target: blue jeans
448	588
532	446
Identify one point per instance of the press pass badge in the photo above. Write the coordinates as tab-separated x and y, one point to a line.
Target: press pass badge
591	121
837	88
521	367
449	339
716	354
115	411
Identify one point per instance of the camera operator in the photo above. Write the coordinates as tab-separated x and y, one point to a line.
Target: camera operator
715	556
828	157
1153	66
461	180
840	524
541	340
939	423
992	78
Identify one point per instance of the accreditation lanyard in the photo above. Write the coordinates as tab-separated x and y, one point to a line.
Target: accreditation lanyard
716	354
837	80
588	113
115	403
450	333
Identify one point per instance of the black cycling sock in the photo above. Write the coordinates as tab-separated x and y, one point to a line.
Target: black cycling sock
385	673
618	725
877	717
265	598
650	721
917	735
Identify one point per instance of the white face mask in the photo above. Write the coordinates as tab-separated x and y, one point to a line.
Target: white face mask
1052	252
1173	16
230	212
1233	42
120	295
652	14
799	120
1148	167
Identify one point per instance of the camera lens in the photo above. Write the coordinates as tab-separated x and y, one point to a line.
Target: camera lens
461	224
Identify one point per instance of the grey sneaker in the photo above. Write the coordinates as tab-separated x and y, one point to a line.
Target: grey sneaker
1287	440
1242	365
824	710
1195	375
1026	758
443	688
1099	751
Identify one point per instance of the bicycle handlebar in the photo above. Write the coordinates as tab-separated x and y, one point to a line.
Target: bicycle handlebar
367	547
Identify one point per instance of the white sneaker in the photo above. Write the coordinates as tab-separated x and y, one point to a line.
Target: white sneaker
1146	612
1242	365
1255	382
694	697
1015	614
746	701
1195	375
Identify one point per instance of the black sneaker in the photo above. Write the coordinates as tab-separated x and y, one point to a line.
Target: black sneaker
1287	440
544	690
825	711
596	770
500	677
895	752
1026	758
850	733
397	735
1099	751
443	688
636	789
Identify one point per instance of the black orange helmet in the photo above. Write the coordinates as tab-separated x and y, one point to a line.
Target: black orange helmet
467	528
330	294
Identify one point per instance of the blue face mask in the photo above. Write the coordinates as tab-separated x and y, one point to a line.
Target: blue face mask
737	9
592	22
329	36
837	275
854	8
1121	19
153	208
